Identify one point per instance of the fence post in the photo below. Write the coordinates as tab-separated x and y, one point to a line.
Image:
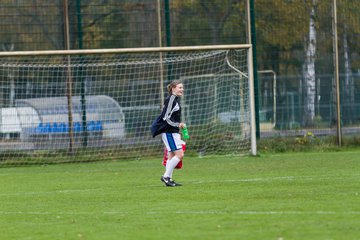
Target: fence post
252	40
337	82
69	77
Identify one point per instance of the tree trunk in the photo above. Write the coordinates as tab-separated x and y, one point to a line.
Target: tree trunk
349	83
309	71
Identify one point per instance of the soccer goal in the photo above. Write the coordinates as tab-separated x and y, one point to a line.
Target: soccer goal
85	105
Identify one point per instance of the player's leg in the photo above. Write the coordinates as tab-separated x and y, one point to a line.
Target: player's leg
166	157
174	159
173	144
180	164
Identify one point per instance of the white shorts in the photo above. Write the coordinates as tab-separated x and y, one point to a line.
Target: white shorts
172	141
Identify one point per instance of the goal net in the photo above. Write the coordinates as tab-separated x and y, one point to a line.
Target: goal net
90	105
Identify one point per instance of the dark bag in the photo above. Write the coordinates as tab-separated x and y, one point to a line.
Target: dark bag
157	126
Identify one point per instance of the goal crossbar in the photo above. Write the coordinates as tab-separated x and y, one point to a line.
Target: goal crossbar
123	50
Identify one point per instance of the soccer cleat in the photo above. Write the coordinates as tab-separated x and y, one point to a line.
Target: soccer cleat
167	181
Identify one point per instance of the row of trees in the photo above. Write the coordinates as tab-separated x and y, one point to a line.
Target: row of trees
294	37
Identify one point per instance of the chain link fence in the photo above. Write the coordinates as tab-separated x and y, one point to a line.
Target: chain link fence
294	41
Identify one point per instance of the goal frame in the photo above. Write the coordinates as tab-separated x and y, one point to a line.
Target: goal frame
67	53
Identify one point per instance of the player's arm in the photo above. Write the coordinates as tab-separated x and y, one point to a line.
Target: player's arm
170	108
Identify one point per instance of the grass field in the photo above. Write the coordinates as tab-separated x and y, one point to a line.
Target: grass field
284	196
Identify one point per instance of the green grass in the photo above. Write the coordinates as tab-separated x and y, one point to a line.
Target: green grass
275	196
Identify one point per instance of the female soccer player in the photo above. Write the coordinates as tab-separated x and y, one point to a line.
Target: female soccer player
168	125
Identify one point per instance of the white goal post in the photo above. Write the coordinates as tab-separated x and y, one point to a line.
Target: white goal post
98	104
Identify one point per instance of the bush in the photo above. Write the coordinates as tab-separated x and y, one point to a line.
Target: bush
308	142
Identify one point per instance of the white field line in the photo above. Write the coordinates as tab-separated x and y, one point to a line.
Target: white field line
265	179
267	213
286	178
65	191
60	214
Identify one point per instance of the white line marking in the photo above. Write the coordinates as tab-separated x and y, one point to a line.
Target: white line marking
265	179
51	192
58	214
287	178
269	213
